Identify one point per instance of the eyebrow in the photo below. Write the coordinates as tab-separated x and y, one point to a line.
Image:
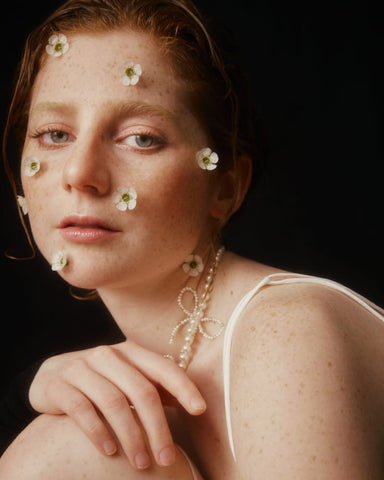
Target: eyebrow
124	109
142	108
53	107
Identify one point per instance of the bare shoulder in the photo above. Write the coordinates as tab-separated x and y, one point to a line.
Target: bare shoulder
52	446
307	382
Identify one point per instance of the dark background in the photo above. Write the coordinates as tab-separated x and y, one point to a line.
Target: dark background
319	208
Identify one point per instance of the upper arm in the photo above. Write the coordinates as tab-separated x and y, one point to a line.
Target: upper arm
298	406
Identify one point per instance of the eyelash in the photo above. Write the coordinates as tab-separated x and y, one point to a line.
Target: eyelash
156	141
39	133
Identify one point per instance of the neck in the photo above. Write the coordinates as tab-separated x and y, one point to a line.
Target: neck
147	313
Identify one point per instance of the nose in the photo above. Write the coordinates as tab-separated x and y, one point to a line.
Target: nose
86	169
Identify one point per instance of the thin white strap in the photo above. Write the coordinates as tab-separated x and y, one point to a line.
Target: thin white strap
276	279
191	465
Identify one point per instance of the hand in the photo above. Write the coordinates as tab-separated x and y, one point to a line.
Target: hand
98	387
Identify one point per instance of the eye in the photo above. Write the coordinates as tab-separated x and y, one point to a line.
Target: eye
56	137
141	141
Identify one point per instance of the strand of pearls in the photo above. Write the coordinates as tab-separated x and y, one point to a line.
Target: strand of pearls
195	318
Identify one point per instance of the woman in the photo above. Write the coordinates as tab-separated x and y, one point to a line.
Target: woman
137	142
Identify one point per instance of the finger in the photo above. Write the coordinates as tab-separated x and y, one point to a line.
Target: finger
114	407
72	402
149	409
131	384
165	372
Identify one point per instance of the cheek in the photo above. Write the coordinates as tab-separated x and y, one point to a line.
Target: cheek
40	201
174	209
183	199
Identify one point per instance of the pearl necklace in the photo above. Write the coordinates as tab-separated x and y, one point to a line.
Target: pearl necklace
195	318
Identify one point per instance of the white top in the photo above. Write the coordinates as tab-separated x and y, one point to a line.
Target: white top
271	280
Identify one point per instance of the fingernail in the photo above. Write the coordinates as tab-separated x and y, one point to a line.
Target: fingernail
167	456
142	460
109	447
198	404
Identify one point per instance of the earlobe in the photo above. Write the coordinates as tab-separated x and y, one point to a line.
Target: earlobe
233	186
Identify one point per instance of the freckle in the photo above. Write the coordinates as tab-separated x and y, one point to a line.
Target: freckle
330	365
313	458
337	460
231	293
253	329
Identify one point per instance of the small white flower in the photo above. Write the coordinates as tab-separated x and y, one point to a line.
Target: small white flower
207	159
57	45
125	198
193	265
31	165
23	204
130	73
59	261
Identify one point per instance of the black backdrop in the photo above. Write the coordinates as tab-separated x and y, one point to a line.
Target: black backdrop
319	208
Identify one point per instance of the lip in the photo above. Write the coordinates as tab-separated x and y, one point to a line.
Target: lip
86	229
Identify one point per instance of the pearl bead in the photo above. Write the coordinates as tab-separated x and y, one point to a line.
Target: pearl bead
194	317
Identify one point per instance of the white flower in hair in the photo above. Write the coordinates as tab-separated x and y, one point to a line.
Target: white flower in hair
23	204
31	165
57	45
207	159
130	73
125	198
193	265
59	261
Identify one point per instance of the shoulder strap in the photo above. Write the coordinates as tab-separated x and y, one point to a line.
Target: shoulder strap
270	280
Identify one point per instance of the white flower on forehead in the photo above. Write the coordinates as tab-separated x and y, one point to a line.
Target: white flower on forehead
31	165
59	261
207	159
193	265
125	198
130	73
57	45
23	204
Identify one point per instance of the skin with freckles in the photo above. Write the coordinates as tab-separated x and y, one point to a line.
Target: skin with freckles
93	135
99	119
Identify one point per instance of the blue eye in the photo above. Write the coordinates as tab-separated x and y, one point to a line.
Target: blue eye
141	141
56	136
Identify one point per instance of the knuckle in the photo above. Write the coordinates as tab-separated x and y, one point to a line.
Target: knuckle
101	352
149	395
95	427
116	401
75	365
78	406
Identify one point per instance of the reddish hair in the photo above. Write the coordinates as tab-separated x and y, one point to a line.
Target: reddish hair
218	90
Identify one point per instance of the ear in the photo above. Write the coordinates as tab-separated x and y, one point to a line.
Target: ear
232	188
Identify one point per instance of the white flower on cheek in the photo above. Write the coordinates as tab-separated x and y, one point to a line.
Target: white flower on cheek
31	165
130	73
207	159
59	261
125	198
23	204
193	265
57	45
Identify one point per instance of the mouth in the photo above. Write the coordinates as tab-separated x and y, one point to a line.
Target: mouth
86	229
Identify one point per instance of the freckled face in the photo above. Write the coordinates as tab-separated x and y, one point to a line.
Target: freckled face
93	135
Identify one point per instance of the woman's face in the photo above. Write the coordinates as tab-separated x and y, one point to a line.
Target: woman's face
92	135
